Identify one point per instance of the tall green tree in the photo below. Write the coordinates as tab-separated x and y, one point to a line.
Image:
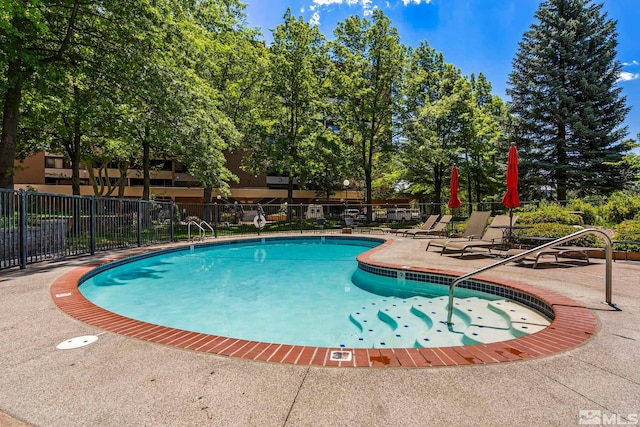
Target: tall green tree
233	62
368	67
33	34
568	110
293	101
437	120
480	147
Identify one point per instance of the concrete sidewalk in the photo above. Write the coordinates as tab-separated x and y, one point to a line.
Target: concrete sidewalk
122	381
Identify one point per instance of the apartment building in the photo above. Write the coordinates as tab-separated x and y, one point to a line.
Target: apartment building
50	173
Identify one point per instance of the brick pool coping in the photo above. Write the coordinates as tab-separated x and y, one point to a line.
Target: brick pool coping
573	325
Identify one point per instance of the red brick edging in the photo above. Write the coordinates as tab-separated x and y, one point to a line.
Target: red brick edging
573	325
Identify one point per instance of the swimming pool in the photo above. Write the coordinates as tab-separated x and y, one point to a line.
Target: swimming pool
304	291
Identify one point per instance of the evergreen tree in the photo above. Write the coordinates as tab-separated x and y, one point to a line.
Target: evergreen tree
567	108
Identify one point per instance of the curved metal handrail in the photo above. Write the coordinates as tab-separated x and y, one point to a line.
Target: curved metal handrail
208	226
202	231
608	253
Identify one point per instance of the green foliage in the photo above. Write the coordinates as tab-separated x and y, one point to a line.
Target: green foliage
291	129
550	213
621	206
368	60
567	106
589	214
556	230
630	231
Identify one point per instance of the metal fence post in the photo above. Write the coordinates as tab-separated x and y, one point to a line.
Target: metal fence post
92	226
172	208
22	200
139	221
300	213
215	220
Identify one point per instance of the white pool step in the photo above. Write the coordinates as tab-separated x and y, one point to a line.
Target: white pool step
421	322
517	313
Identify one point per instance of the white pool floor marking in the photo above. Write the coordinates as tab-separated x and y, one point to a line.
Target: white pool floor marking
77	342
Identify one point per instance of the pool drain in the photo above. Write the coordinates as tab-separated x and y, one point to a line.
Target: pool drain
77	342
341	356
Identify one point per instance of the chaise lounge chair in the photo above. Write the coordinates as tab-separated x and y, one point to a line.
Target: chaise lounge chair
492	237
437	230
572	252
425	226
475	228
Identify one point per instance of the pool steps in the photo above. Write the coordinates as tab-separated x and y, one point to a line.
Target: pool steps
421	322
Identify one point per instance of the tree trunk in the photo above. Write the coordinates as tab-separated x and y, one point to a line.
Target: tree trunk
437	189
561	175
208	191
146	165
123	166
10	114
290	196
75	158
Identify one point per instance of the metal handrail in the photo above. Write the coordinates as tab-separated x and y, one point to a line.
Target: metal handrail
210	228
202	232
608	253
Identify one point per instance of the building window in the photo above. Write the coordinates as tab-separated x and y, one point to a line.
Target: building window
56	163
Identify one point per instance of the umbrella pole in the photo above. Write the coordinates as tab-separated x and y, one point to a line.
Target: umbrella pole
510	226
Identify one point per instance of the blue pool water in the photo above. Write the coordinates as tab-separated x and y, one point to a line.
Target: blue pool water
304	291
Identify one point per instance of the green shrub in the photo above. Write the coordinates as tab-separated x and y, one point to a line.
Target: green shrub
589	212
548	213
620	207
555	230
627	230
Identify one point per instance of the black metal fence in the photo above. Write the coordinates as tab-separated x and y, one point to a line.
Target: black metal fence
36	226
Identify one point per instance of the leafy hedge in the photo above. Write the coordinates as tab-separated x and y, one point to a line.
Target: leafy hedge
590	214
620	207
556	230
627	230
550	213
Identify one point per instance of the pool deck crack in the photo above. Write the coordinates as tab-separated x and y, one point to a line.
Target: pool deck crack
296	396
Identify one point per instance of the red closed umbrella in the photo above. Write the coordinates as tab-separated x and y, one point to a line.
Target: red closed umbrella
511	199
454	200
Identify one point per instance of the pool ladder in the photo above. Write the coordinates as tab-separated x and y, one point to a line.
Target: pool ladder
202	232
608	264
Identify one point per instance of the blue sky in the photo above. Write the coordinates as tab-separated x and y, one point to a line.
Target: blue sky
474	35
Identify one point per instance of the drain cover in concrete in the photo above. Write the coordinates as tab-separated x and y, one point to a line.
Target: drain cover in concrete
77	342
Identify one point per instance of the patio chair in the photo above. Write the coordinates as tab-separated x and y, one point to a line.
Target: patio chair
571	252
437	230
424	226
495	235
475	228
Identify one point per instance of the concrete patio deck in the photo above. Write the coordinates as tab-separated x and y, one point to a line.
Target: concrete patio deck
124	381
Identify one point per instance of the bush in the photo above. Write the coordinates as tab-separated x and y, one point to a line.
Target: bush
627	230
620	207
549	213
555	230
589	212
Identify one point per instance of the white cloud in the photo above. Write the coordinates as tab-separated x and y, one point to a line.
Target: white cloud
367	5
626	64
315	19
626	76
327	2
